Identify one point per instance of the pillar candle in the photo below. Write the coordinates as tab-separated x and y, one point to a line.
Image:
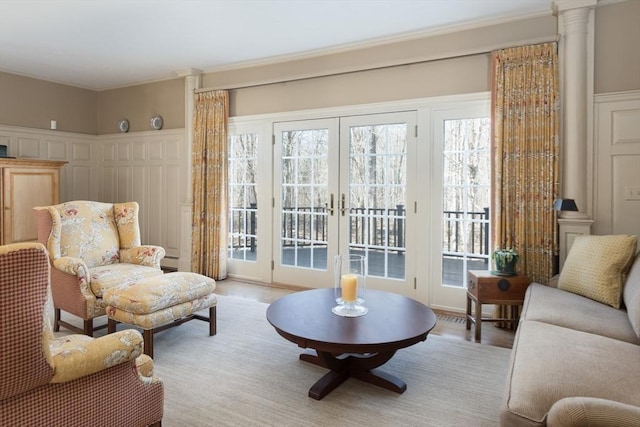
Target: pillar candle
349	283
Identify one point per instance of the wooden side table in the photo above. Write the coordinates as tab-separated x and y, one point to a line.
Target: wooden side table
486	288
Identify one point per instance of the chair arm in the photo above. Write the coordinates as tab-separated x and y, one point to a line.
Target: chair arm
144	368
76	356
592	412
147	255
74	267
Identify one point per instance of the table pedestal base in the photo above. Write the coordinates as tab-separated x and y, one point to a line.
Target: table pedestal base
344	366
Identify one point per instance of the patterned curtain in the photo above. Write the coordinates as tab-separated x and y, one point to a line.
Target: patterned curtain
210	184
525	160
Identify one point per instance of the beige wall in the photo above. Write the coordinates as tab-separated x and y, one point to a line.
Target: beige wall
445	77
34	103
139	103
617	47
442	64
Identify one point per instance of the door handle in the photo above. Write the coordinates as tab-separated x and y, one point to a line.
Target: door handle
342	201
330	208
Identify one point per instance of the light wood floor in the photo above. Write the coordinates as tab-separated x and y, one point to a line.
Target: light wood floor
451	325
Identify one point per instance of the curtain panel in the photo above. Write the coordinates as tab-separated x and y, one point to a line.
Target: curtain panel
210	184
525	102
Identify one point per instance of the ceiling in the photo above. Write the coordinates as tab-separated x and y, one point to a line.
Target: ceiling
101	44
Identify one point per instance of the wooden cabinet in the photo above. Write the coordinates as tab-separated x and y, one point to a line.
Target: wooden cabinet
23	185
486	288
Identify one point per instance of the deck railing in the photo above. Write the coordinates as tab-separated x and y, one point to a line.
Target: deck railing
370	227
477	233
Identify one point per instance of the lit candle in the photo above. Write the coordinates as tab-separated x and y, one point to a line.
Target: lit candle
349	284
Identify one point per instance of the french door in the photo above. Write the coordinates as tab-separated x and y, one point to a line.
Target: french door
460	211
341	187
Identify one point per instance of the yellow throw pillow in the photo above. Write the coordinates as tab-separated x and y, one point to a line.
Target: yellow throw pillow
596	267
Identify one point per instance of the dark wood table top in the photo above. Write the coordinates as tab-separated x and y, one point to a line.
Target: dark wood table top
393	322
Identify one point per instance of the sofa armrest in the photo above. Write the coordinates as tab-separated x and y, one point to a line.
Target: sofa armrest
592	412
553	282
147	255
76	356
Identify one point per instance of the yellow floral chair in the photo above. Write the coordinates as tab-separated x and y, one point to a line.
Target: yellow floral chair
93	247
74	380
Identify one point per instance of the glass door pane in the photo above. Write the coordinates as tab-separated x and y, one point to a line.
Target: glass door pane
303	192
466	182
243	196
303	179
377	190
376	196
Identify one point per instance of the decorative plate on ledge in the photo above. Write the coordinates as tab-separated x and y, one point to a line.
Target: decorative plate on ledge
123	125
156	122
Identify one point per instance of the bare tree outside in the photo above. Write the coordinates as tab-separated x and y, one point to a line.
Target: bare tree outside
243	197
465	198
304	197
377	196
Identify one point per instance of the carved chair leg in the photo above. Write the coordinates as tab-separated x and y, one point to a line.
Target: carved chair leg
56	321
213	322
111	326
88	327
147	336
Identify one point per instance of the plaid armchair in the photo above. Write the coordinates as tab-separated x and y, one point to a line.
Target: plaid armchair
92	246
75	380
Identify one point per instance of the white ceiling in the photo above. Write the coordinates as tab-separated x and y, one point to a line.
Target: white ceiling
100	44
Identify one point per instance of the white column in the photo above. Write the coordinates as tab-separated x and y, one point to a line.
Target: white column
575	22
192	81
575	87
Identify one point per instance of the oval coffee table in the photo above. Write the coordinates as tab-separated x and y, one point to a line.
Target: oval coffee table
351	346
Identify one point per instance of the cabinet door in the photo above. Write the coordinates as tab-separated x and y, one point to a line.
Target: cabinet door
24	188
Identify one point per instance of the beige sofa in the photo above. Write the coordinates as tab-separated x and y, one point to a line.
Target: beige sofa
576	361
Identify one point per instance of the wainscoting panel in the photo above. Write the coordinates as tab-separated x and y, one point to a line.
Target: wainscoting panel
108	183
108	152
140	190
81	180
172	226
79	177
29	148
57	150
82	177
158	198
626	193
124	189
147	167
617	163
80	152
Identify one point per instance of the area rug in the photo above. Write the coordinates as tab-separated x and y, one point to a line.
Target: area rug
248	375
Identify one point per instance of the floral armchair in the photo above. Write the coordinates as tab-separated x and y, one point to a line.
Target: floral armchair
92	247
74	380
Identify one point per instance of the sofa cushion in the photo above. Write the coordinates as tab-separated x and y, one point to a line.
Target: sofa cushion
631	295
561	308
596	267
549	363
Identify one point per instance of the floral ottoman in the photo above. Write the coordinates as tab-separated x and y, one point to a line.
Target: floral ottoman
160	302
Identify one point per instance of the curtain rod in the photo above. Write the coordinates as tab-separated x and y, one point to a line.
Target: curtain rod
382	67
